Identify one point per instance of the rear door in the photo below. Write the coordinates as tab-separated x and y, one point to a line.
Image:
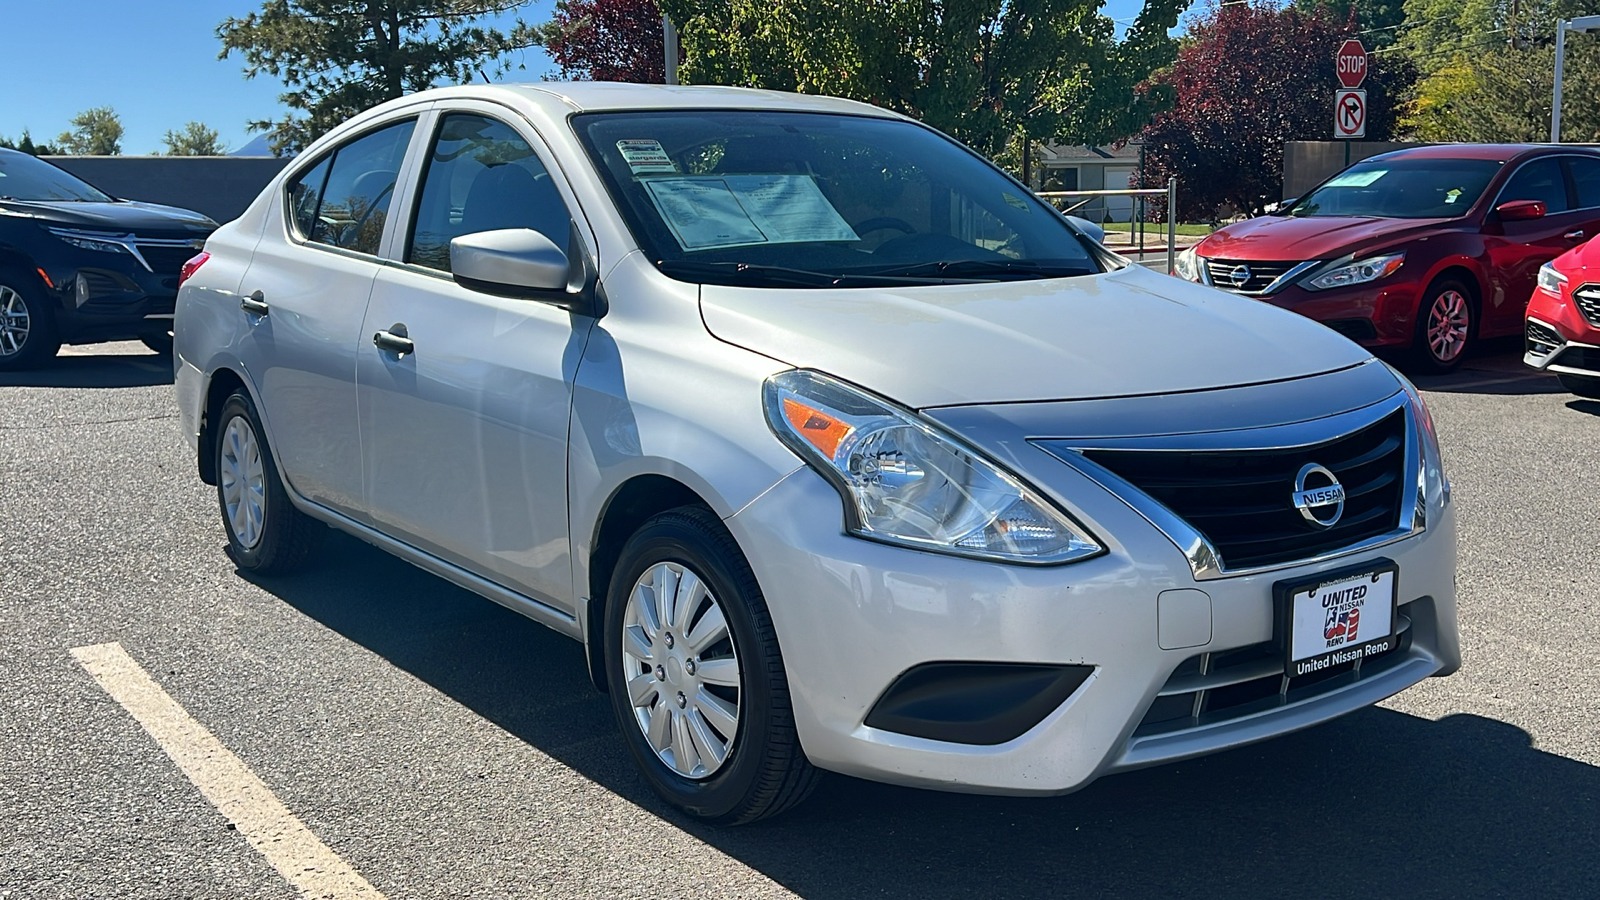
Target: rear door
465	437
1517	252
308	285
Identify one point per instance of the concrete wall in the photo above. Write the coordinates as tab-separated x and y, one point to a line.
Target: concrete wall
1307	164
219	186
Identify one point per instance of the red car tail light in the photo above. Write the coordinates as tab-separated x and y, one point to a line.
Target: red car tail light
192	266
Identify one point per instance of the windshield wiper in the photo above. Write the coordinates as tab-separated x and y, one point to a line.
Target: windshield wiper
743	271
990	268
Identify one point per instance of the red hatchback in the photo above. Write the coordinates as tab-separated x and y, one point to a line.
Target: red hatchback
1564	320
1426	249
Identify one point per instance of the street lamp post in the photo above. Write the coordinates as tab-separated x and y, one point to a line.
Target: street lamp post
1583	24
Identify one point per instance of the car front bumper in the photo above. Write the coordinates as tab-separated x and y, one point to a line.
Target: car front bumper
1382	315
852	616
1559	338
111	302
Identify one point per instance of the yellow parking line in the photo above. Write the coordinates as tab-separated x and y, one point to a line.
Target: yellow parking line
224	779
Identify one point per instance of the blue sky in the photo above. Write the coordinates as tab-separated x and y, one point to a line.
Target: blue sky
155	62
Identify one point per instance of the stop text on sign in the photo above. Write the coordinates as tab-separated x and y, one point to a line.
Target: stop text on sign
1351	63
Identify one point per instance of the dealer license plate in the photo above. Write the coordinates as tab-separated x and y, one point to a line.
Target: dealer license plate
1340	619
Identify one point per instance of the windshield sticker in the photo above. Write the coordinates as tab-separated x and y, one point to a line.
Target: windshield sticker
1018	202
1357	179
1452	195
646	157
705	213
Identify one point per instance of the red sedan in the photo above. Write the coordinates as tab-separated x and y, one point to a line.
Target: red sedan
1564	320
1425	249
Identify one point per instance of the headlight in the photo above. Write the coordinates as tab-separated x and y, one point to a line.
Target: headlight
1550	280
906	482
1187	265
88	242
1370	269
1432	481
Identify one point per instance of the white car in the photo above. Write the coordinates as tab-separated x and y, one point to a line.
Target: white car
836	448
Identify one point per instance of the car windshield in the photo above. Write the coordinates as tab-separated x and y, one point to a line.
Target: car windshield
1400	189
24	178
818	200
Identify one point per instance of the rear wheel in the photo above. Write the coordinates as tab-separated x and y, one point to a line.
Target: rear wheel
1582	385
1447	324
28	337
698	683
266	534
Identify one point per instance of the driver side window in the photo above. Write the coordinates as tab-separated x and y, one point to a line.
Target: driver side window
344	200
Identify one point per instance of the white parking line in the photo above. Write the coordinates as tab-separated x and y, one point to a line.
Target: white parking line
224	779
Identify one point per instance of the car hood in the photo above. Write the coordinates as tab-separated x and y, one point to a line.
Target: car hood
1284	238
1123	333
121	216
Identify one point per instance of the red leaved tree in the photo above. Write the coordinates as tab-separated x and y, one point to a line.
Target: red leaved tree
1248	77
606	40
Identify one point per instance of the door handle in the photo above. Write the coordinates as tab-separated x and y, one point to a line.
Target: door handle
255	304
1574	235
394	340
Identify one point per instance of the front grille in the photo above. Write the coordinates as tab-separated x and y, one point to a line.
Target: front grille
1542	341
1226	274
1588	299
1242	501
1217	687
166	260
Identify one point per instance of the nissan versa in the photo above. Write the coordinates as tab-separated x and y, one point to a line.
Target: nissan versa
79	267
835	447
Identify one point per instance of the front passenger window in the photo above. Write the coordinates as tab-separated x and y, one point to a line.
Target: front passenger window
482	176
1540	180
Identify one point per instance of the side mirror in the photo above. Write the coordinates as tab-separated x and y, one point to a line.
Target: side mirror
515	262
1095	232
1520	210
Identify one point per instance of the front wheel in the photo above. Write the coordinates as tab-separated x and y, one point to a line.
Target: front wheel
28	336
697	680
1581	385
1446	326
266	534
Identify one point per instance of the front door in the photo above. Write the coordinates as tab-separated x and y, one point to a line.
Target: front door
307	287
1522	247
465	437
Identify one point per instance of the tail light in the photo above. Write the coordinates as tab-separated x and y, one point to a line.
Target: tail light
192	266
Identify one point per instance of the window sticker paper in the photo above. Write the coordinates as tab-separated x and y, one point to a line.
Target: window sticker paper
703	213
709	212
790	209
646	157
1357	179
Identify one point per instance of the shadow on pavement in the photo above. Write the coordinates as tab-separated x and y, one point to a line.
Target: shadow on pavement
1495	367
1379	803
1592	407
94	371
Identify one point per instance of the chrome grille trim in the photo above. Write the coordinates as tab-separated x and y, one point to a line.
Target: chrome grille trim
1204	559
1587	298
1265	277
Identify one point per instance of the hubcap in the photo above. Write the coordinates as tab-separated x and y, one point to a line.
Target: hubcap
243	482
1448	322
681	670
15	323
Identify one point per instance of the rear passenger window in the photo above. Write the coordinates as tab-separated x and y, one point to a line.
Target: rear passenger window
344	200
1540	180
482	176
1586	174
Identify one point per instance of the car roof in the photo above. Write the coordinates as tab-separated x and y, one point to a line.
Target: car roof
1496	152
602	96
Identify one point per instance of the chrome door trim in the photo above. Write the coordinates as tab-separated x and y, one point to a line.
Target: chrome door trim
1204	560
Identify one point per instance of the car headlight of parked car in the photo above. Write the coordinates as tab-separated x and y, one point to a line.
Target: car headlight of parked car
1359	272
1550	280
906	482
88	241
1187	265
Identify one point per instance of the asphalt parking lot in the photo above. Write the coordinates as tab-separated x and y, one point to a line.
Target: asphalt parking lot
444	747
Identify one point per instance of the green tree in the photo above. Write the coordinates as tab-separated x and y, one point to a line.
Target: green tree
992	73
26	145
1378	22
194	140
95	132
339	57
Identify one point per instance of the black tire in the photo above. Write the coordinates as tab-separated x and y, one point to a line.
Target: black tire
765	771
286	536
21	293
1433	356
160	343
1582	385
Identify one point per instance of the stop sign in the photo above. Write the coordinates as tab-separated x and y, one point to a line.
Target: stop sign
1352	63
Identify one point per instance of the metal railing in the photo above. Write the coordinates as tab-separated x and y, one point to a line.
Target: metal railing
1141	198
